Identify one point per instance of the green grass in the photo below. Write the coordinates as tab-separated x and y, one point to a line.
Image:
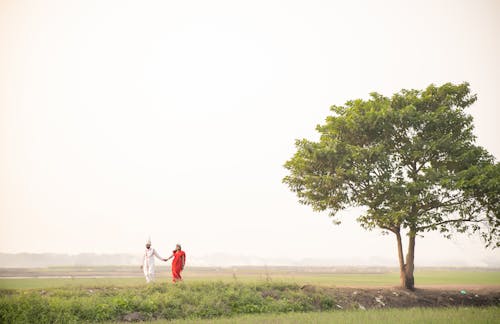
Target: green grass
381	279
194	300
422	278
32	283
204	297
413	315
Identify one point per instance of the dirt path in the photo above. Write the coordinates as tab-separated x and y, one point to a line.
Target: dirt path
466	287
428	296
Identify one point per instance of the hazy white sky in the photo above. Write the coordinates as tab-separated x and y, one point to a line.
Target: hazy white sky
123	119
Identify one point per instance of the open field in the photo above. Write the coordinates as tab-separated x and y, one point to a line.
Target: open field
66	295
206	300
338	277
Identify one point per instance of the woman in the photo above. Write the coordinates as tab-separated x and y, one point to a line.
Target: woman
178	263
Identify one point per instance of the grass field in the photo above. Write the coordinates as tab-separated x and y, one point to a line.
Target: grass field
422	278
463	315
213	300
245	296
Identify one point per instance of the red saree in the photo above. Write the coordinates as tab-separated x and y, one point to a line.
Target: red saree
178	265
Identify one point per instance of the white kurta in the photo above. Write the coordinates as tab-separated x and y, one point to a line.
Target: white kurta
148	263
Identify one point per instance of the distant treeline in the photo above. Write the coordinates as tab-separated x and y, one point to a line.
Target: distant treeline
34	260
42	260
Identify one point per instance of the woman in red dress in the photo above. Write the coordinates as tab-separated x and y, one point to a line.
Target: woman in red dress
178	263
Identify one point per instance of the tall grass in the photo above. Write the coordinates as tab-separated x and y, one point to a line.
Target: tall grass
196	300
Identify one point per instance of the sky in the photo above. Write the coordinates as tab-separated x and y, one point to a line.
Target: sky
121	120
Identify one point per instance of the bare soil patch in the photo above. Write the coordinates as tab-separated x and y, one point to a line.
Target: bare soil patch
393	297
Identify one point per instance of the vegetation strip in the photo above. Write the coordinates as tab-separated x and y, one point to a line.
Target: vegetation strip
210	300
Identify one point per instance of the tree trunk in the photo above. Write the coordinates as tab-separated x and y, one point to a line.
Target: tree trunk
406	269
400	256
410	265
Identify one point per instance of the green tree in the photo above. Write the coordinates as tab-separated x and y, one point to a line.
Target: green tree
410	160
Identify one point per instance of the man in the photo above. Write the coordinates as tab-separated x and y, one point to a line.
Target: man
148	261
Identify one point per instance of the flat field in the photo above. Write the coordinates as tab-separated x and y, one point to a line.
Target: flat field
331	277
463	315
248	295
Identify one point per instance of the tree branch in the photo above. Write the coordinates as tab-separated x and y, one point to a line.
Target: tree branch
395	229
419	229
440	204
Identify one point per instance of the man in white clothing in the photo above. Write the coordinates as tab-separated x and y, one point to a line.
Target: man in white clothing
148	262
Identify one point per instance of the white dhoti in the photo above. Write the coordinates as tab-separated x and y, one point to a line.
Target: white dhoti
148	264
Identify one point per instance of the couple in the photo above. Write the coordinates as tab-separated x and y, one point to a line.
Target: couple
148	262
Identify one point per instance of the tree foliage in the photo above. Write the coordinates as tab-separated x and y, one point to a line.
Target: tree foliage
410	159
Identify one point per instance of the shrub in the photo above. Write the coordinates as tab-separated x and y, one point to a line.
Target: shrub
193	300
